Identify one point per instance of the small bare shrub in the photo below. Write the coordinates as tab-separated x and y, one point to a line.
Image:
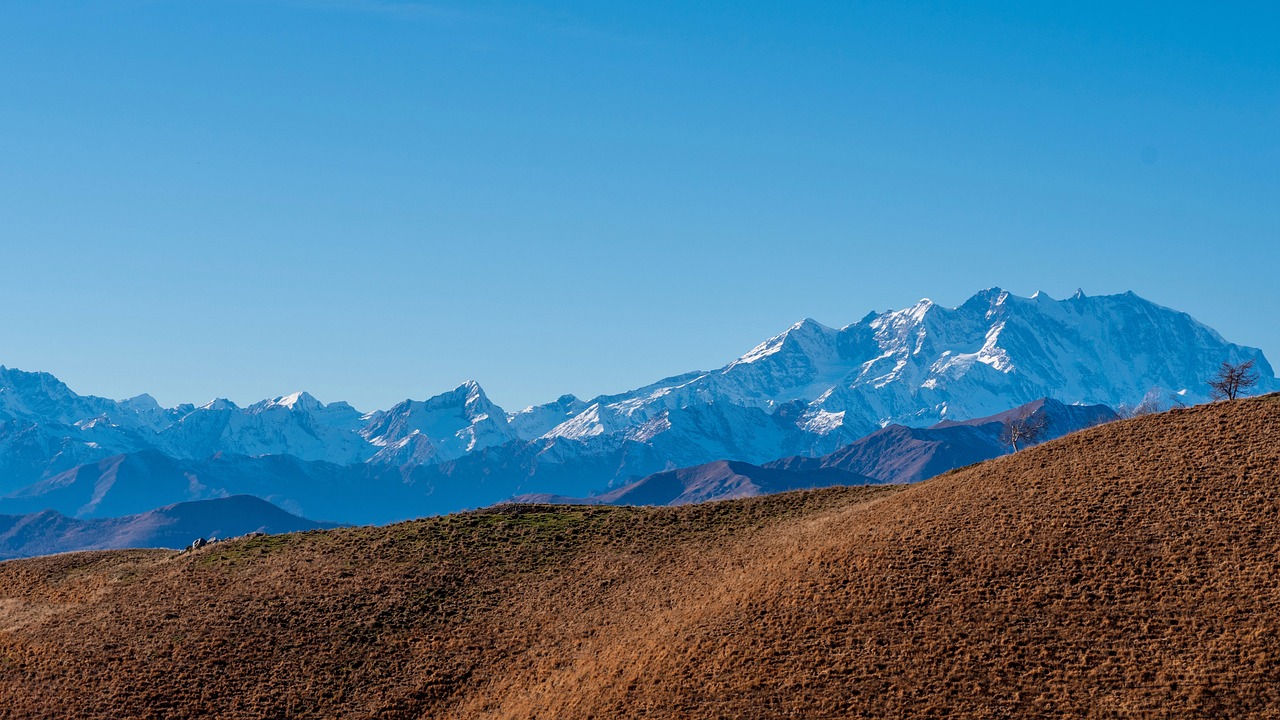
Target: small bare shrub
1024	427
1233	380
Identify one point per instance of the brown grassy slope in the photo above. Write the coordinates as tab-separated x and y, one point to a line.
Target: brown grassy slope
1128	570
403	621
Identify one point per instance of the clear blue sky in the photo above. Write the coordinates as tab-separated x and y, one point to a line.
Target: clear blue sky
372	199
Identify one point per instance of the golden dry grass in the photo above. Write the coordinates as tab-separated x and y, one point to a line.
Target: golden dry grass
1126	571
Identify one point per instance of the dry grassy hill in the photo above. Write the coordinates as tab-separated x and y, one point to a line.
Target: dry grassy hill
1131	570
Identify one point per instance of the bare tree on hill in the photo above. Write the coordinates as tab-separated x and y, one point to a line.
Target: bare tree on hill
1233	380
1024	427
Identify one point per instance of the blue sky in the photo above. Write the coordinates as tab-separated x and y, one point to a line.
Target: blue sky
373	200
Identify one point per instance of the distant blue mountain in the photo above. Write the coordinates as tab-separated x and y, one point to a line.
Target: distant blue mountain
895	454
174	526
806	393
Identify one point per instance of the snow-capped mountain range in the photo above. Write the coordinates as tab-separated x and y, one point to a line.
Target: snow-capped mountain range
807	391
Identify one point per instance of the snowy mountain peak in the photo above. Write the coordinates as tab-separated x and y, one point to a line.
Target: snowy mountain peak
141	403
805	391
988	300
804	337
443	427
38	393
219	404
917	366
907	317
920	309
473	393
538	420
296	401
468	395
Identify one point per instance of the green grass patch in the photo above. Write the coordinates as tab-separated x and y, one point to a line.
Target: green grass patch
246	550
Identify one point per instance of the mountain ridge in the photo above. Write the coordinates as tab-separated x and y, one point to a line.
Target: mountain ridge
804	392
891	455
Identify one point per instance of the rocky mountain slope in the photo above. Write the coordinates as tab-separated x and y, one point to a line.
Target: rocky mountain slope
902	454
1124	571
806	392
896	454
377	493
